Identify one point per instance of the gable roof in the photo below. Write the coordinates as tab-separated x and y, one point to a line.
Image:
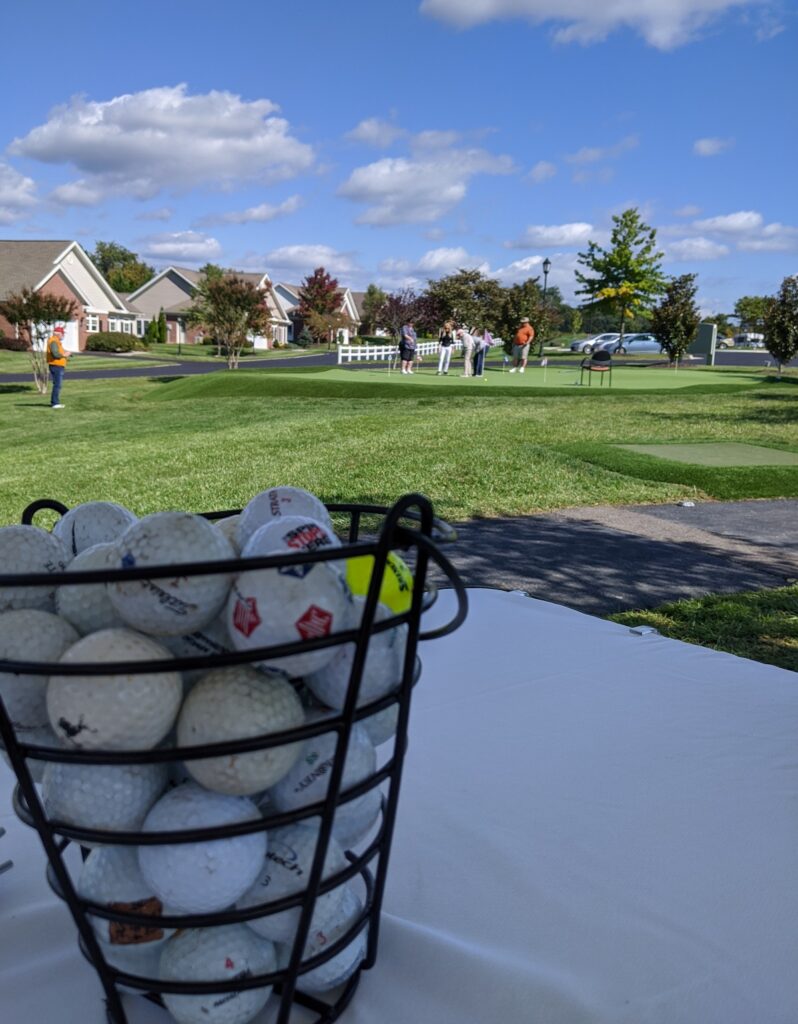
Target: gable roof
24	264
357	298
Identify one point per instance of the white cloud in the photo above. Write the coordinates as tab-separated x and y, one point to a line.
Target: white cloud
435	263
542	171
689	210
561	274
181	246
254	214
434	139
543	235
291	261
688	250
593	154
732	223
773	238
664	24
373	131
162	213
402	191
17	194
711	146
163	138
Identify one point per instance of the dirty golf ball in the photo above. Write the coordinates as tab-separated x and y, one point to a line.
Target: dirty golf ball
30	635
86	605
28	549
275	503
94	522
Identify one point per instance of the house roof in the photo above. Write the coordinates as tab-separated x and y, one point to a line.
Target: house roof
292	288
23	264
357	298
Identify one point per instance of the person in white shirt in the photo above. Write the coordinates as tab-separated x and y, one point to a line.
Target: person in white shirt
468	351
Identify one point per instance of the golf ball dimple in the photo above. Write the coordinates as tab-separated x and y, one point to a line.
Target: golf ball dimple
86	605
132	711
342	966
307	783
289	604
275	503
113	797
211	639
173	605
28	634
217	954
237	703
29	549
93	522
289	860
382	671
201	877
111	876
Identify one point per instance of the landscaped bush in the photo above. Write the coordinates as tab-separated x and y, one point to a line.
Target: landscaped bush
113	341
13	344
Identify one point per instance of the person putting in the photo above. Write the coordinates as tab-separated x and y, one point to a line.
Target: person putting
524	337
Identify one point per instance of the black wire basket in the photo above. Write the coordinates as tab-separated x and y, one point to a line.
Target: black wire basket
410	526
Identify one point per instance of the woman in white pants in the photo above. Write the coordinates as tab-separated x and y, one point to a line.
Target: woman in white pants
445	342
468	352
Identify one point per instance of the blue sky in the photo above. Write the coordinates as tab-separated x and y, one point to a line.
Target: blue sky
397	141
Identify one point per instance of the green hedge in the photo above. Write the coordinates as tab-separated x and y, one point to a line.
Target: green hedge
13	344
113	341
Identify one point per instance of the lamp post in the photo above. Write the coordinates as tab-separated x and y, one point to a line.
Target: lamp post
546	269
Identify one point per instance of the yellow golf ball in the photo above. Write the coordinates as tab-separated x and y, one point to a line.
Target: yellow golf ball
397	580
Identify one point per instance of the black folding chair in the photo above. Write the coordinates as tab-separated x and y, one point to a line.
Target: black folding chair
597	362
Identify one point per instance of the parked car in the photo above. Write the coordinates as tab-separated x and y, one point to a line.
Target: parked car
632	343
588	345
724	342
749	340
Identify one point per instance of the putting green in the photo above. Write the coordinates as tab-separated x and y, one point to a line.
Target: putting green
720	454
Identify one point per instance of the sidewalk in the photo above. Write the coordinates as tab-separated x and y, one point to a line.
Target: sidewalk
612	558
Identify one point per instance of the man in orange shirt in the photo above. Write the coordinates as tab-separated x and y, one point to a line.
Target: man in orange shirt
56	360
523	339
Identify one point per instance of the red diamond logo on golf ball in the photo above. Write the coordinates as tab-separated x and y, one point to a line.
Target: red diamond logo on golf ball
314	623
245	615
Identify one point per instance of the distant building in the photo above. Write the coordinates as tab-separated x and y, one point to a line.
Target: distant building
63	268
289	297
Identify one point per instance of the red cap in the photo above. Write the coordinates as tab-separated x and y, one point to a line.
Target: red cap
58	330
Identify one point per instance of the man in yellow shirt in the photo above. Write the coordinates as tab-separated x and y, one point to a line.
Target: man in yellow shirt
56	360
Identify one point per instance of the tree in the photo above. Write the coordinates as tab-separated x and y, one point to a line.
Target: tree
373	302
520	300
723	324
230	309
319	294
35	314
163	330
120	267
327	325
781	323
469	298
751	311
626	278
675	320
398	308
151	333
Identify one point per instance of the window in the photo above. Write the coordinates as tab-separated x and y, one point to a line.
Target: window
112	324
92	323
127	326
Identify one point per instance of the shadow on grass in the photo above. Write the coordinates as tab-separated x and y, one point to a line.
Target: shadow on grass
14	389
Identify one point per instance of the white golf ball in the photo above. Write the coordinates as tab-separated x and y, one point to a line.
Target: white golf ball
211	639
110	876
229	527
307	783
112	797
175	605
202	877
290	533
93	522
117	712
28	634
238	703
381	726
275	503
217	954
277	606
30	549
342	966
44	737
289	859
86	605
382	671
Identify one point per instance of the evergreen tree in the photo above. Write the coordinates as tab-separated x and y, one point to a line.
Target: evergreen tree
373	301
675	320
163	331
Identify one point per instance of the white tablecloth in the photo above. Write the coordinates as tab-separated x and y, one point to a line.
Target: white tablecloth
594	827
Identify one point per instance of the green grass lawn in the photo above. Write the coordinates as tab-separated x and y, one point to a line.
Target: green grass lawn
211	442
207	353
761	625
19	362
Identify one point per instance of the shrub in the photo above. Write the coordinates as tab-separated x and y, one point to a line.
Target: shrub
112	341
13	344
305	339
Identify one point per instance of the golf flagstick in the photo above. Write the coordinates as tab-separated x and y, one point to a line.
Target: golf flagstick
545	364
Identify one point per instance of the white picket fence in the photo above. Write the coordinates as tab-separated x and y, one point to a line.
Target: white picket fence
385	353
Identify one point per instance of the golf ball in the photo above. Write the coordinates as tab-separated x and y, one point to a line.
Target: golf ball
381	726
94	522
290	533
44	737
229	527
175	605
342	966
110	876
307	783
382	671
289	859
86	605
217	954
277	502
237	703
201	877
27	634
212	639
396	589
132	711
111	797
277	606
30	549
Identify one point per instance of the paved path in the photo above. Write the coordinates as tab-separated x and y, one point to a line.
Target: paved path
606	559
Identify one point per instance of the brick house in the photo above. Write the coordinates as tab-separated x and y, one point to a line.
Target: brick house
173	292
63	268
